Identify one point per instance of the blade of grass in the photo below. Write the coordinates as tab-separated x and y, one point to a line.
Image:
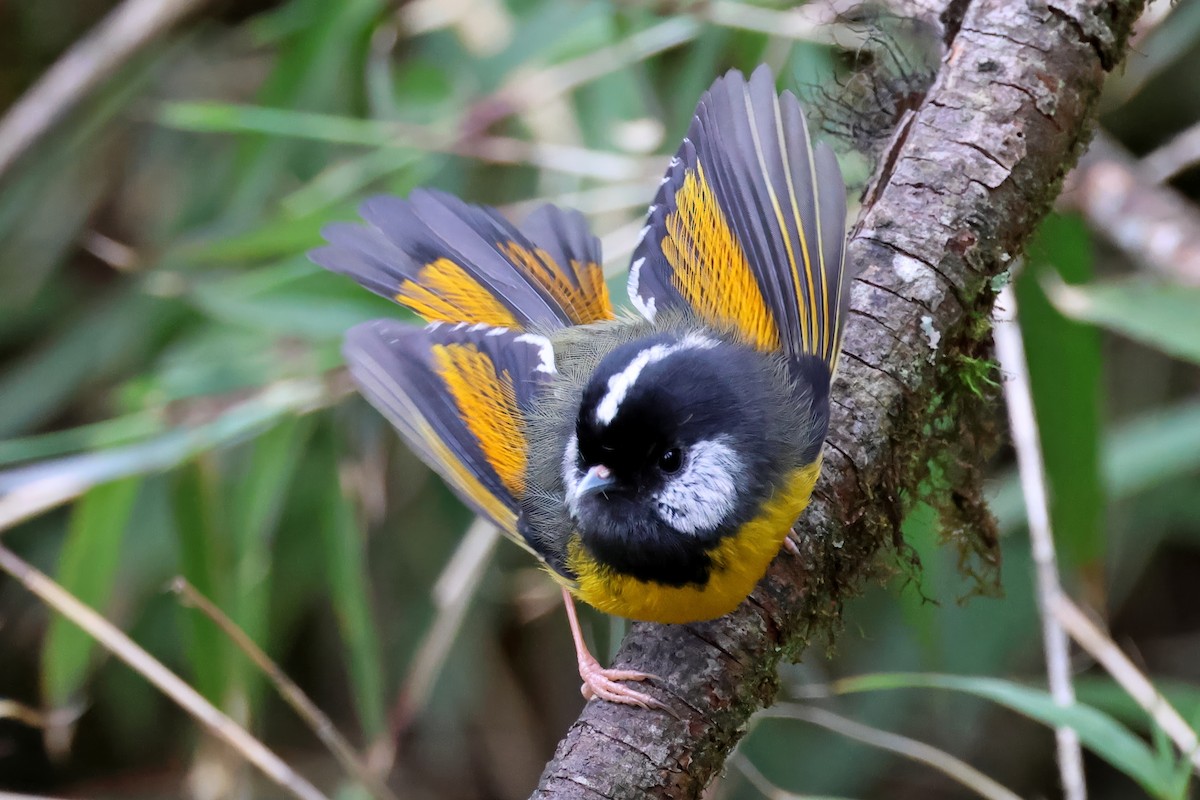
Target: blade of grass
1065	383
151	669
97	436
1108	696
87	568
1099	732
256	502
225	118
317	721
202	558
116	331
1018	398
310	73
1118	665
343	542
28	491
954	768
127	29
1160	315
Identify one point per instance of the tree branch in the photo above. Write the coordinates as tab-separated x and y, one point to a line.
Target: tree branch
967	178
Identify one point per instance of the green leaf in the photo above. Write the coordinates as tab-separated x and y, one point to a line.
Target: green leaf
1160	315
1097	731
256	502
1108	696
175	446
299	299
202	560
87	567
1143	453
278	122
52	191
99	435
1065	380
314	70
116	331
343	542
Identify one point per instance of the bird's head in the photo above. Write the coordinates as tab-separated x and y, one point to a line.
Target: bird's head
668	453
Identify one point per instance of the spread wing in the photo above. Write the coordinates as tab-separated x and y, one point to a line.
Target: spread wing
748	227
450	261
459	395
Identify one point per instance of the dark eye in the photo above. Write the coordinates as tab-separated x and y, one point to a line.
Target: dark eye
671	460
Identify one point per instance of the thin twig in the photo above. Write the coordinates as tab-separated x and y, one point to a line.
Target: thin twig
954	768
1102	648
1156	226
126	30
317	721
170	684
1010	351
811	22
117	255
760	782
36	718
1180	153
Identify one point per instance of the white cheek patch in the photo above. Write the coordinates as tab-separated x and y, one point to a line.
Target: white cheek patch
704	493
620	383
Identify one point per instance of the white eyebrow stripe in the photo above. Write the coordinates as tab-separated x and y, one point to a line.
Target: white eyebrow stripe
620	383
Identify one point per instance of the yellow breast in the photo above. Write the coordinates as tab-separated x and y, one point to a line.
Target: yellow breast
738	564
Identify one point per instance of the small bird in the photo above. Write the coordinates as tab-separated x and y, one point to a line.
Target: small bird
654	463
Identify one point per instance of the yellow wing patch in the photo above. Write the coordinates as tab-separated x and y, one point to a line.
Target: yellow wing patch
488	406
587	302
710	269
445	292
465	481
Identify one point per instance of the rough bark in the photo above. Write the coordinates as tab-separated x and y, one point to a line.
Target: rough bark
965	181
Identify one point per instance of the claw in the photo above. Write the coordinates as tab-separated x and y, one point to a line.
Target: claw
789	542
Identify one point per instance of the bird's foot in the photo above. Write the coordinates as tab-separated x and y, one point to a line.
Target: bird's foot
600	682
611	684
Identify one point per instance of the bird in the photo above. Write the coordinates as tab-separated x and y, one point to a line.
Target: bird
654	460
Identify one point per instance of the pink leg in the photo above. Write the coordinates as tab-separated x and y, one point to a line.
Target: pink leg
600	682
789	542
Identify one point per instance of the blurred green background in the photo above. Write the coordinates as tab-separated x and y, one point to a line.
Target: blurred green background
164	341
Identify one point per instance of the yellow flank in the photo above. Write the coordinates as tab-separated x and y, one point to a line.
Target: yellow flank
587	302
738	563
487	404
445	292
710	267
